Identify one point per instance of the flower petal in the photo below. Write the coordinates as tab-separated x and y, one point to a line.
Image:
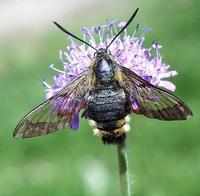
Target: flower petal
75	121
168	85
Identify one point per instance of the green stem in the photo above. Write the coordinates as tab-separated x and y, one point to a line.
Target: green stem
123	169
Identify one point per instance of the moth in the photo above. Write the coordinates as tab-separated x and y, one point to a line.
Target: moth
106	93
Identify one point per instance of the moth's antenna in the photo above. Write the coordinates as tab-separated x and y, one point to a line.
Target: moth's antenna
129	21
74	36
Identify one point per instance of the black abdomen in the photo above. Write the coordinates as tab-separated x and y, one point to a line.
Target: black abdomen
107	106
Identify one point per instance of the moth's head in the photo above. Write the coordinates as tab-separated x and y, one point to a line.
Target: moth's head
102	53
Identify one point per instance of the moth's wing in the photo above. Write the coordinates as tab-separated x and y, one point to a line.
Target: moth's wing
152	101
57	112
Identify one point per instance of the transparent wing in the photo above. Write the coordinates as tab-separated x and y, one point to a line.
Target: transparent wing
152	101
59	111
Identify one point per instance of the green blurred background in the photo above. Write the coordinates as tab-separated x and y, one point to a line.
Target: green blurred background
164	158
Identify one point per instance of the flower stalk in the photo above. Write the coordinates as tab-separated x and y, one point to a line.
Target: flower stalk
123	169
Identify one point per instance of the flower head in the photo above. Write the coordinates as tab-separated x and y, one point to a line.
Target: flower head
128	51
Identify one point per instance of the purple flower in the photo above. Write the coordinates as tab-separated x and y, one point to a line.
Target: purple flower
127	50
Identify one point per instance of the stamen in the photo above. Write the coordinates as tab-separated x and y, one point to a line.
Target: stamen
61	55
84	39
136	29
100	36
103	32
45	83
55	69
